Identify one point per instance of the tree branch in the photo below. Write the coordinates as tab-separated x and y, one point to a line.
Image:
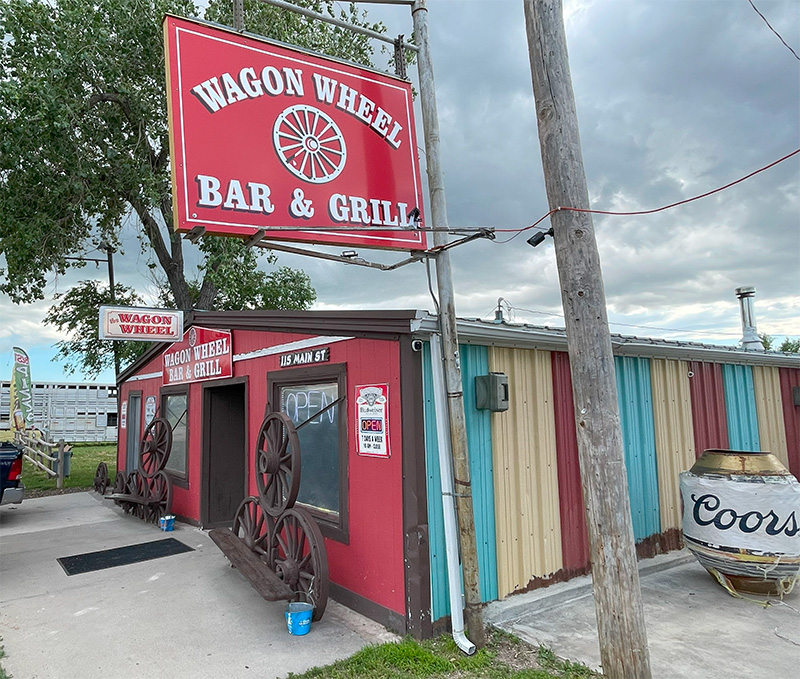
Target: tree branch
171	261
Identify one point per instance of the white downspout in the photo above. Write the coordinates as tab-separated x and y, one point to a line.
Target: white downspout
448	501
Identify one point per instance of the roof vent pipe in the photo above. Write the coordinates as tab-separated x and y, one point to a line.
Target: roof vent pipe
750	339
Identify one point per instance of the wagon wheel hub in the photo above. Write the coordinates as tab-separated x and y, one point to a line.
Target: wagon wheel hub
290	572
269	462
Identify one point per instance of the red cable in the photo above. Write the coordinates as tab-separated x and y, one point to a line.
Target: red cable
658	209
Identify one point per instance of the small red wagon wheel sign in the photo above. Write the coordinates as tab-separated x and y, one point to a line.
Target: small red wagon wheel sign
309	144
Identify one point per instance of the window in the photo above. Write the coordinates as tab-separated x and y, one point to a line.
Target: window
174	409
112	419
313	400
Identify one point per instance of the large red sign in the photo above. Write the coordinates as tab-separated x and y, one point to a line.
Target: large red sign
264	136
204	354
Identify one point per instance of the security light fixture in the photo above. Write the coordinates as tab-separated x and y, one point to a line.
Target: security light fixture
349	254
538	237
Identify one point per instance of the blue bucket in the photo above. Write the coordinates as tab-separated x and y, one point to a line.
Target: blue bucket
298	617
167	522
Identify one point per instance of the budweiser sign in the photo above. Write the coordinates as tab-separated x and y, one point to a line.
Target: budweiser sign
131	323
310	149
204	354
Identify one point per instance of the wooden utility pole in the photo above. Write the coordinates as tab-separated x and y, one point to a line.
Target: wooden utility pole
618	599
473	611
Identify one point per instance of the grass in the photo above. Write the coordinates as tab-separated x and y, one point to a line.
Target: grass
3	673
85	458
505	657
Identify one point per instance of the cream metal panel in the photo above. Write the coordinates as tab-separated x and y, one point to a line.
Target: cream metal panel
769	411
672	418
525	471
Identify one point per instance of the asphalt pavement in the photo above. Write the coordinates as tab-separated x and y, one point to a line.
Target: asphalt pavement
181	616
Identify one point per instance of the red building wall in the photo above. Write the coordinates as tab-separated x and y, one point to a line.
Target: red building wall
790	379
372	564
574	533
709	417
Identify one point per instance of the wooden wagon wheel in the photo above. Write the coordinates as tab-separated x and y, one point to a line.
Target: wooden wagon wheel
298	557
135	484
277	464
160	489
119	483
101	478
252	525
155	448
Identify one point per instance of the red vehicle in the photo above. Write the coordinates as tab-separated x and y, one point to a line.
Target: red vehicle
11	487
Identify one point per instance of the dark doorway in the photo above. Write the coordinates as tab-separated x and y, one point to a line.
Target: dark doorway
133	425
225	453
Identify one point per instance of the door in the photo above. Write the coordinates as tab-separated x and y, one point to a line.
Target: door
225	453
133	438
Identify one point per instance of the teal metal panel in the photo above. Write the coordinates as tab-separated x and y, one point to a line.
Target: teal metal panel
740	404
440	606
474	361
635	398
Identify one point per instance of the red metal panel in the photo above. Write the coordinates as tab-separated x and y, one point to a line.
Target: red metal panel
709	417
574	536
790	378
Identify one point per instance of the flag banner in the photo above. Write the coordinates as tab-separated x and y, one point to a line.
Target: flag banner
21	391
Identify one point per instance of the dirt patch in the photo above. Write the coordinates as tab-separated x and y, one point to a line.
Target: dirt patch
40	492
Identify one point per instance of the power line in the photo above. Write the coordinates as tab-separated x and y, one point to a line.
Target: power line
516	232
773	30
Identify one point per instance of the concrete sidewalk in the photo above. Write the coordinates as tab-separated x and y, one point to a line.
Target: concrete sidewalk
188	615
694	627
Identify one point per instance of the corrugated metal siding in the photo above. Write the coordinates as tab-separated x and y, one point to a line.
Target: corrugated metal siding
474	361
525	471
790	379
740	404
440	605
709	419
771	430
636	413
672	418
572	510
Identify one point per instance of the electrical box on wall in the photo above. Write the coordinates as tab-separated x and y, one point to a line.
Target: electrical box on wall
491	392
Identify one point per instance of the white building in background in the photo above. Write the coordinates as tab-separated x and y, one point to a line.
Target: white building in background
73	412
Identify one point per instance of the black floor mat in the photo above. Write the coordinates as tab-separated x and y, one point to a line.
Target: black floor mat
121	556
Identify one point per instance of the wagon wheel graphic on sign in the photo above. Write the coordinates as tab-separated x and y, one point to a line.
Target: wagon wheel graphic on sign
309	144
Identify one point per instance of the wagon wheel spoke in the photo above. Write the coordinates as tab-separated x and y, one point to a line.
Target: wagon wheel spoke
299	558
160	496
156	447
252	525
277	464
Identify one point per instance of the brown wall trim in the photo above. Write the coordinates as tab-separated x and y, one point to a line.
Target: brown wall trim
384	616
415	499
387	325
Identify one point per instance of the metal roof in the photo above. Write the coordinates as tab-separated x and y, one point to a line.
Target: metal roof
523	335
393	323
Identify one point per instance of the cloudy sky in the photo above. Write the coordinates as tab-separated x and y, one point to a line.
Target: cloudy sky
675	98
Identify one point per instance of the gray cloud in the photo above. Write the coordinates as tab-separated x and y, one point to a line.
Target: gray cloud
674	99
